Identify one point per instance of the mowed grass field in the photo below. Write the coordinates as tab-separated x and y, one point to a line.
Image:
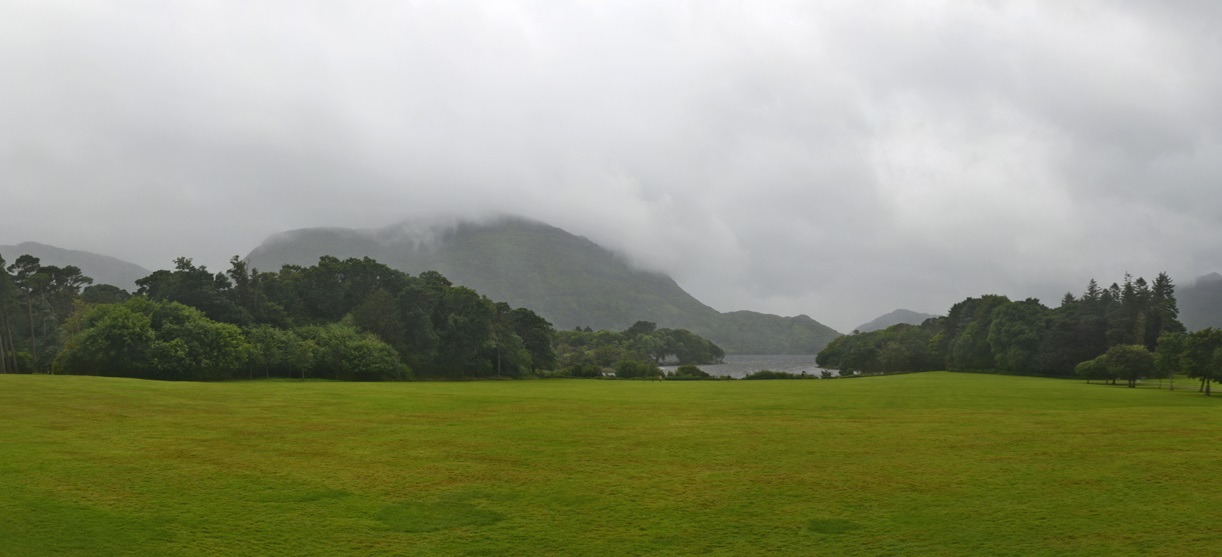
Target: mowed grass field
926	464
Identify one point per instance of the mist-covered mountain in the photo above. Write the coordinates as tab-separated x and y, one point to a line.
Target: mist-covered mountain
568	279
894	318
1201	304
102	269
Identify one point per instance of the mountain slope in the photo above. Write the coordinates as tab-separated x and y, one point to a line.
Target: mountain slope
568	279
101	268
894	318
1201	304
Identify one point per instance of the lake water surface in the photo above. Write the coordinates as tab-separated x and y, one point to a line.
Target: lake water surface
741	364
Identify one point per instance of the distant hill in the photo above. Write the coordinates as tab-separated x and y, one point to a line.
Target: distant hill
568	279
101	268
894	318
1201	304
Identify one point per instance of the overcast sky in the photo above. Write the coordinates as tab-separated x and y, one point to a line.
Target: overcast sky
838	159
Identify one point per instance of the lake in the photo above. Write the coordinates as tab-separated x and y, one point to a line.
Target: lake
741	364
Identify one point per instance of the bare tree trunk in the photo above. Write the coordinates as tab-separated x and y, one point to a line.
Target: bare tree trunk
12	348
4	336
6	339
29	304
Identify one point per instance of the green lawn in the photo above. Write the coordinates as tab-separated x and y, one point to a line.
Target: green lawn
925	464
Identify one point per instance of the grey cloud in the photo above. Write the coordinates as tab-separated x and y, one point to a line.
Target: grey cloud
837	159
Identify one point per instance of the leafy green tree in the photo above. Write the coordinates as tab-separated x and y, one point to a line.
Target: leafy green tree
1130	362
833	354
584	370
379	315
537	336
641	328
893	357
1168	356
62	286
196	287
115	341
606	355
690	348
345	353
1164	311
50	295
691	372
1198	359
900	347
25	277
251	295
418	301
506	351
1096	368
463	320
1015	334
189	346
9	306
277	352
154	340
1074	334
104	294
970	348
633	369
655	346
605	348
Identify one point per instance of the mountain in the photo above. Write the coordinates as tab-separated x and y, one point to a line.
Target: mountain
1201	304
568	279
101	268
894	318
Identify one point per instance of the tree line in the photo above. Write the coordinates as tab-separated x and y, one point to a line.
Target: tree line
642	342
354	319
35	300
1116	324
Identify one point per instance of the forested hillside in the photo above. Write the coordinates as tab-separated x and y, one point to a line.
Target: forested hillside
567	279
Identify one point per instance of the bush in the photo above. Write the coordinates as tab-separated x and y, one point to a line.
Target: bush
769	374
153	340
25	362
1094	369
630	369
588	371
345	353
691	371
278	352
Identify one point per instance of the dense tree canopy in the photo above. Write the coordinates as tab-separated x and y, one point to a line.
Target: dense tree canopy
641	342
357	319
994	333
153	339
344	319
35	301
